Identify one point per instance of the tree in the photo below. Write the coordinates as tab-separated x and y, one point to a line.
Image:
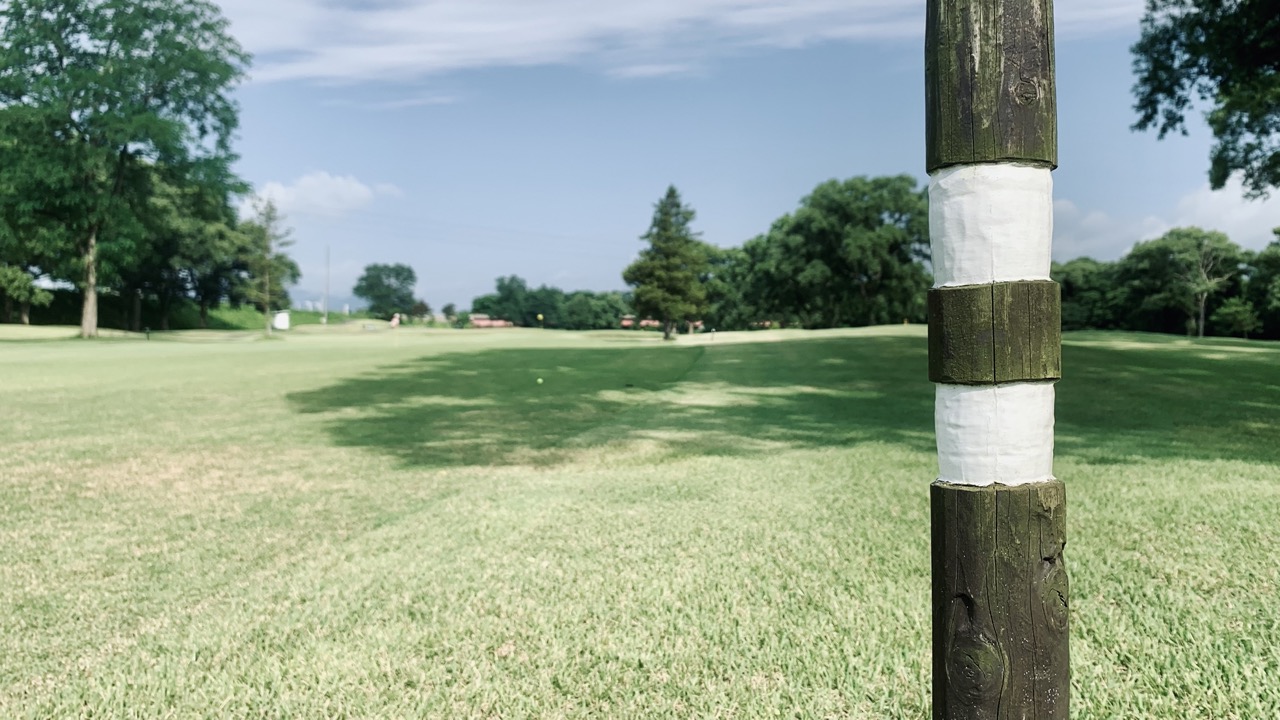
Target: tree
510	301
187	244
1179	272
731	290
450	312
668	275
1237	317
1223	53
387	288
106	87
270	269
585	310
544	308
421	311
850	255
1088	293
32	235
1262	288
17	285
212	243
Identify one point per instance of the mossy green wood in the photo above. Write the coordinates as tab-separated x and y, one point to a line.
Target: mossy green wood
1000	590
962	335
993	334
989	90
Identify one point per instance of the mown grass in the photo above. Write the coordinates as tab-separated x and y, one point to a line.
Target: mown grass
356	523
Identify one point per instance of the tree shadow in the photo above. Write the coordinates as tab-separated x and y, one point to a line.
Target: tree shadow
487	408
1116	405
1207	401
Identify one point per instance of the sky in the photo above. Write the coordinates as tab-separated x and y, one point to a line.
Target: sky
472	139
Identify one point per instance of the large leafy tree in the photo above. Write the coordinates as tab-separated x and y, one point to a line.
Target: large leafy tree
668	276
32	236
1177	274
729	290
190	245
850	255
1225	53
387	288
585	310
103	88
511	300
545	308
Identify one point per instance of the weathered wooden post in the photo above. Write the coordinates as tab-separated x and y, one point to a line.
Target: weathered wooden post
1000	603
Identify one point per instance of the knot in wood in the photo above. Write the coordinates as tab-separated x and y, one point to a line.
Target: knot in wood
1026	92
975	667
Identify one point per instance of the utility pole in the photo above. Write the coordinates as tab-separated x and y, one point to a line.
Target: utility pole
998	524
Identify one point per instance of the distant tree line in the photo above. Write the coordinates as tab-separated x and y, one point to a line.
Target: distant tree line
116	121
514	300
856	252
1189	281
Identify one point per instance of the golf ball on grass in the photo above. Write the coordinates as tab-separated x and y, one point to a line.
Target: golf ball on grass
539	381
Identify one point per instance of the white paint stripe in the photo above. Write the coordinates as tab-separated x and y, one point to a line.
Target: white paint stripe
990	223
995	434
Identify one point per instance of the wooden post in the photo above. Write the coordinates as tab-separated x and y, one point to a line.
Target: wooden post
1000	599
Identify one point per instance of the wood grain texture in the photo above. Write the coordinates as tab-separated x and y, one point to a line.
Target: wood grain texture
961	335
990	94
994	334
1027	325
1000	603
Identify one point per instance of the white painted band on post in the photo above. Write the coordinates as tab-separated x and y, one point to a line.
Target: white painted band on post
995	434
990	223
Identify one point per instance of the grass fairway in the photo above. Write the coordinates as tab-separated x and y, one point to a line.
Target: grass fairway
380	525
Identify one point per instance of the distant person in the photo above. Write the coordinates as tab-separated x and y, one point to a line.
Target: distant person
395	320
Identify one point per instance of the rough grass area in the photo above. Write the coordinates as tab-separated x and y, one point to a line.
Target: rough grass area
354	522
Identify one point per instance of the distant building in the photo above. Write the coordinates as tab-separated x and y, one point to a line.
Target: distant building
479	320
629	322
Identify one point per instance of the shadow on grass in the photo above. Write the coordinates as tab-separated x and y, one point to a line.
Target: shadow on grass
1186	400
487	408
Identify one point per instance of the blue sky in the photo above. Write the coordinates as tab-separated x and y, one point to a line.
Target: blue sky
478	138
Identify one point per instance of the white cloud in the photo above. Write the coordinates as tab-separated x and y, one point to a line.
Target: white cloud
652	70
325	195
1080	233
395	40
402	103
1249	223
412	102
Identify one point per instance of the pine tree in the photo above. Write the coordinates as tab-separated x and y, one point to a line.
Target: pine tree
668	275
